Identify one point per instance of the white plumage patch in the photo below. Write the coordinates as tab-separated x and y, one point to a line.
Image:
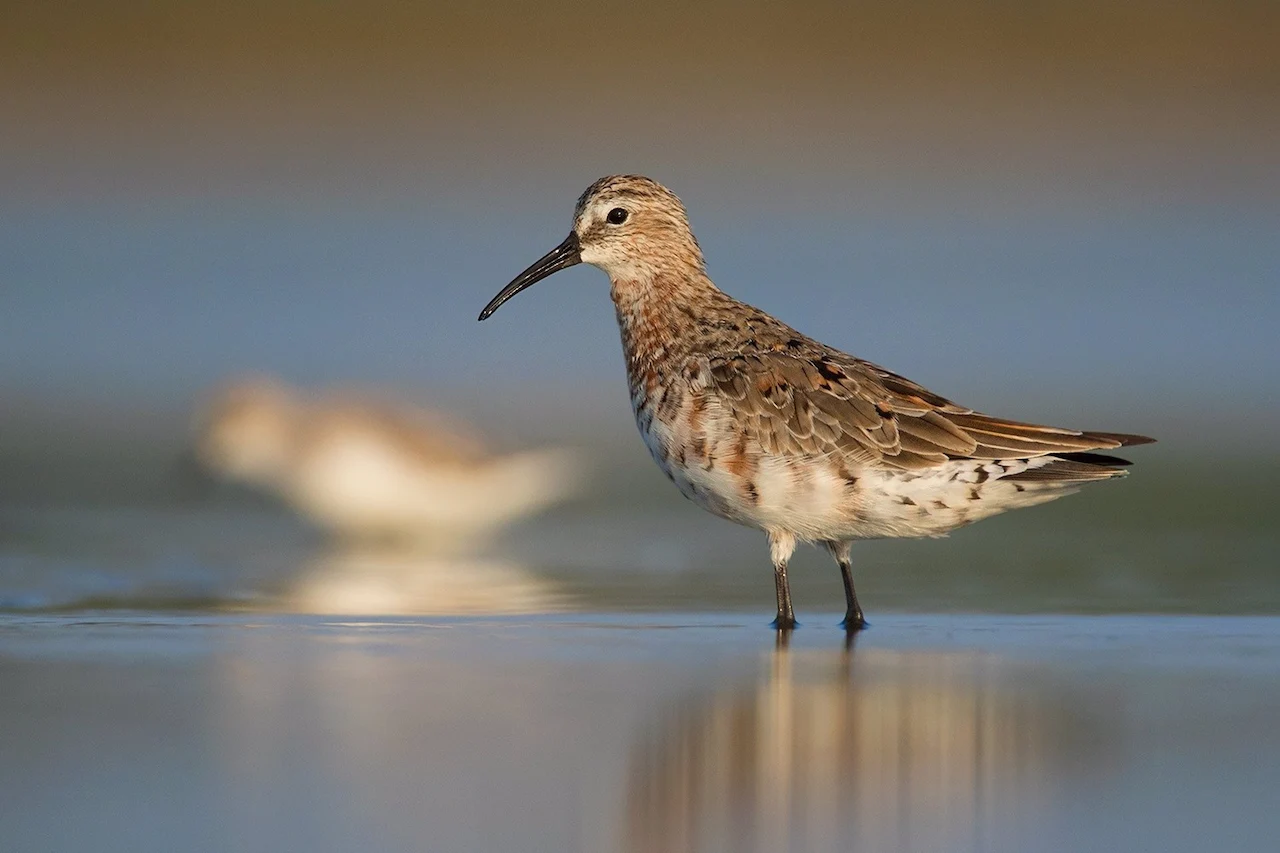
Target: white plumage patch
936	501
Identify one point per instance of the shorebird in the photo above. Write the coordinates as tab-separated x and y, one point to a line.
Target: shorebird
374	470
766	427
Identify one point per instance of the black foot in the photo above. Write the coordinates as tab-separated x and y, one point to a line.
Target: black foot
781	623
853	622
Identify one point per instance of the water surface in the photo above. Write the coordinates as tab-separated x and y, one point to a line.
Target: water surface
697	731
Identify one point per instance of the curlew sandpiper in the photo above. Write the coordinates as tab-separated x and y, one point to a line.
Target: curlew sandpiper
766	427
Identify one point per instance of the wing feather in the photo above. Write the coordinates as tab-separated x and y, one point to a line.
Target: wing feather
819	401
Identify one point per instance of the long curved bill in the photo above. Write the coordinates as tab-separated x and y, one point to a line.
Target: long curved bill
565	255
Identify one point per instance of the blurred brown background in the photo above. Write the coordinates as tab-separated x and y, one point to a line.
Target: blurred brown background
1169	101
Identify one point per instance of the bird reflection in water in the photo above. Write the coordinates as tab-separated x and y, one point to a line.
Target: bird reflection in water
369	580
863	749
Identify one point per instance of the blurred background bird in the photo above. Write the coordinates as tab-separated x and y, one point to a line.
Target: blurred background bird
365	468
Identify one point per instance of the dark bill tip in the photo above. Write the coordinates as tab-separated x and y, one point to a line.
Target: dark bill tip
565	255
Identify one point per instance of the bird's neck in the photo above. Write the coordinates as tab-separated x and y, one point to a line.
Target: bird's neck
658	317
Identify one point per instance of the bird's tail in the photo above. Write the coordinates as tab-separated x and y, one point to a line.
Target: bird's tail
1068	468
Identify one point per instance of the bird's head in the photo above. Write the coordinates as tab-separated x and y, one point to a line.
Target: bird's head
632	227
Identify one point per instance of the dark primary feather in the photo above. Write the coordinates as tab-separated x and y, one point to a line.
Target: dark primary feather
1062	469
1096	459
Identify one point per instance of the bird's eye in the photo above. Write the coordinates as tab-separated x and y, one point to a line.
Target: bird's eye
617	216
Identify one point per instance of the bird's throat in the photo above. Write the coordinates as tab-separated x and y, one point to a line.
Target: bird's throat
658	320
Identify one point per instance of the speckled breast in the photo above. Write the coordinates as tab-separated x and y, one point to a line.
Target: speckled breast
681	428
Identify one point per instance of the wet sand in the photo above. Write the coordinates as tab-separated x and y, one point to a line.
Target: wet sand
654	732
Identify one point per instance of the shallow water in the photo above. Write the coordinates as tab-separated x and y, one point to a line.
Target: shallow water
601	678
1167	540
128	731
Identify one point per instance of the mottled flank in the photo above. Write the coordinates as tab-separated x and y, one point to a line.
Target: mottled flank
769	428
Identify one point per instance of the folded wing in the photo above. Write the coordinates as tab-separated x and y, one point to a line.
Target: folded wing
825	403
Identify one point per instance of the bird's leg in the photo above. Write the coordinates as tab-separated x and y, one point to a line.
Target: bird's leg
786	618
853	619
781	546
